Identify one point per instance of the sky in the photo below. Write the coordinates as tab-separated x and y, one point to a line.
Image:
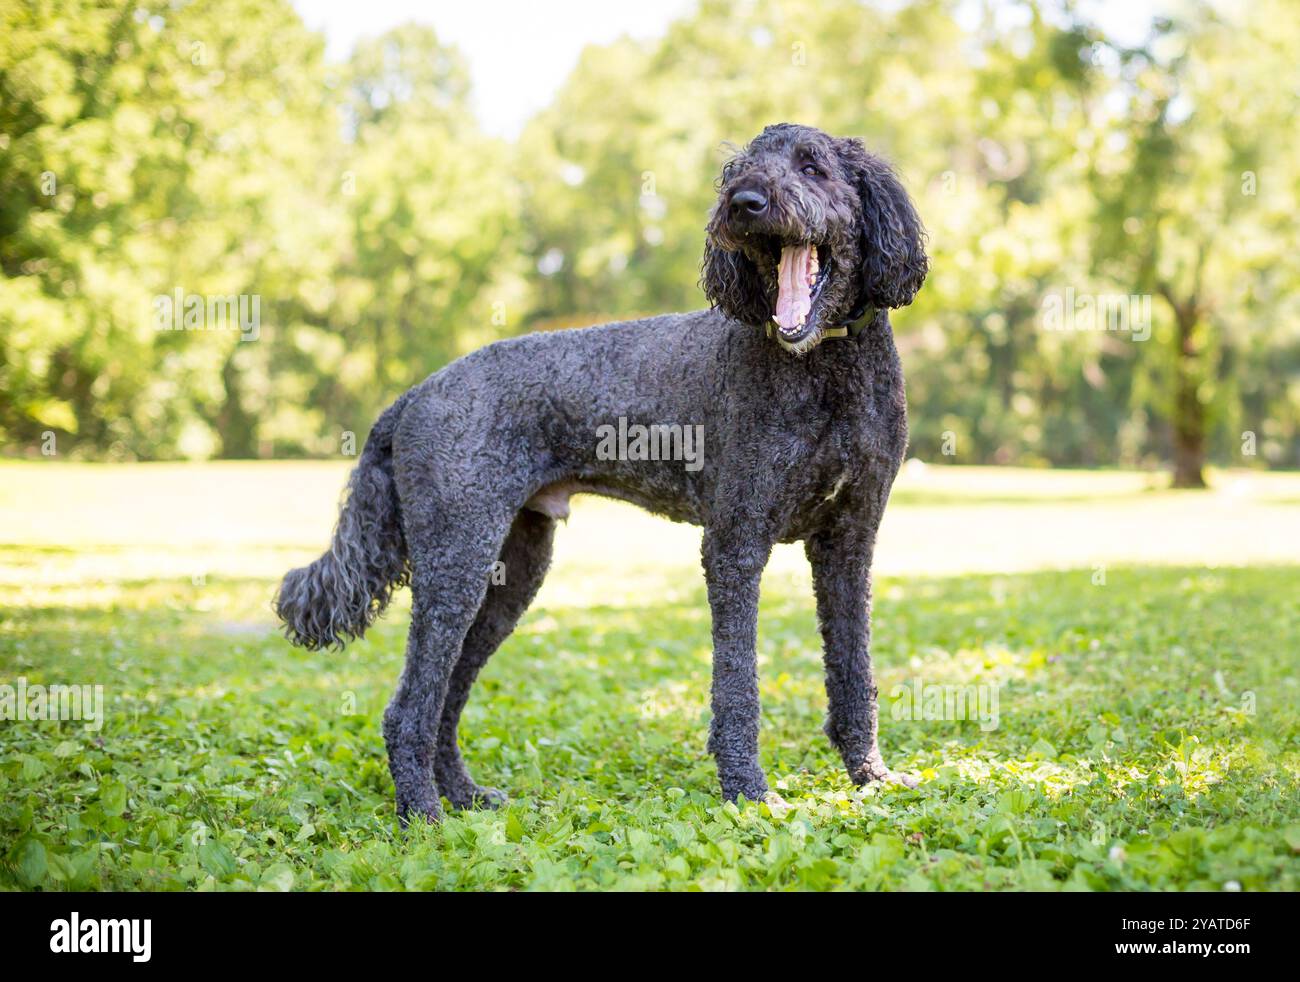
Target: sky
521	51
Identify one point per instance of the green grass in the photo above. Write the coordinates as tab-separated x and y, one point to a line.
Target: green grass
1149	715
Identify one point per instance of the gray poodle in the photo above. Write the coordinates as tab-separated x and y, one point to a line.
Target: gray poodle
792	388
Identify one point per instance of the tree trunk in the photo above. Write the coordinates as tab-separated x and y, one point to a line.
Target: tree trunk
236	427
1189	411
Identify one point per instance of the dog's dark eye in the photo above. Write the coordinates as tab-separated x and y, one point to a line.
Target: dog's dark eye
811	170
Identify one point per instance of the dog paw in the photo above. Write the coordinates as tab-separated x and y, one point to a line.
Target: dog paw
752	792
898	777
777	806
428	810
875	771
476	796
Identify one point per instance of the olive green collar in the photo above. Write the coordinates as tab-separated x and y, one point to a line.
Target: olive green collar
851	328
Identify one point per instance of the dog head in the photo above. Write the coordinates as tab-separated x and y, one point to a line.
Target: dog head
809	230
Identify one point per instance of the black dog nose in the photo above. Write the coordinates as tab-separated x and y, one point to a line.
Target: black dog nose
747	204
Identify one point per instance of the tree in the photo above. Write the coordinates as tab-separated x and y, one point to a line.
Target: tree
210	147
132	166
1205	119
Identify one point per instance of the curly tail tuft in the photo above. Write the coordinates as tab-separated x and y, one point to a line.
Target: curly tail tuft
333	600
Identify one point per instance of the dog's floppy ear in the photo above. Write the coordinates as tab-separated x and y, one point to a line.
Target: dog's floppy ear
733	285
894	263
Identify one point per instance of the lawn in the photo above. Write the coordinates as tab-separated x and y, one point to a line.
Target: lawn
1144	646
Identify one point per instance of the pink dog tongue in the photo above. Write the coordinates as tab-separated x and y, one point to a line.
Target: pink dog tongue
793	300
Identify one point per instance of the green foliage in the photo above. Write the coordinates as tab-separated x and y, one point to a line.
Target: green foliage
210	147
1190	191
1148	732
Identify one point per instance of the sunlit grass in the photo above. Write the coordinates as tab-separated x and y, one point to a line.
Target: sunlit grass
1148	732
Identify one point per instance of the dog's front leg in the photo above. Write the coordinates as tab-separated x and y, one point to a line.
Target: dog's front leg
841	566
733	565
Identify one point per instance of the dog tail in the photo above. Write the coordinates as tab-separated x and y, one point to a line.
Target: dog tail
337	597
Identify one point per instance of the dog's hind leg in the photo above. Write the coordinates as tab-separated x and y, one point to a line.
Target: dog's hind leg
522	566
841	566
452	546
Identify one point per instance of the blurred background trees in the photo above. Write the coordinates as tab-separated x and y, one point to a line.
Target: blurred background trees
210	147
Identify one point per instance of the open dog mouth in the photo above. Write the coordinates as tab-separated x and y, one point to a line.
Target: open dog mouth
802	271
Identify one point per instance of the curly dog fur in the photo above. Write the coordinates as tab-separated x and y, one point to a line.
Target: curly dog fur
803	432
